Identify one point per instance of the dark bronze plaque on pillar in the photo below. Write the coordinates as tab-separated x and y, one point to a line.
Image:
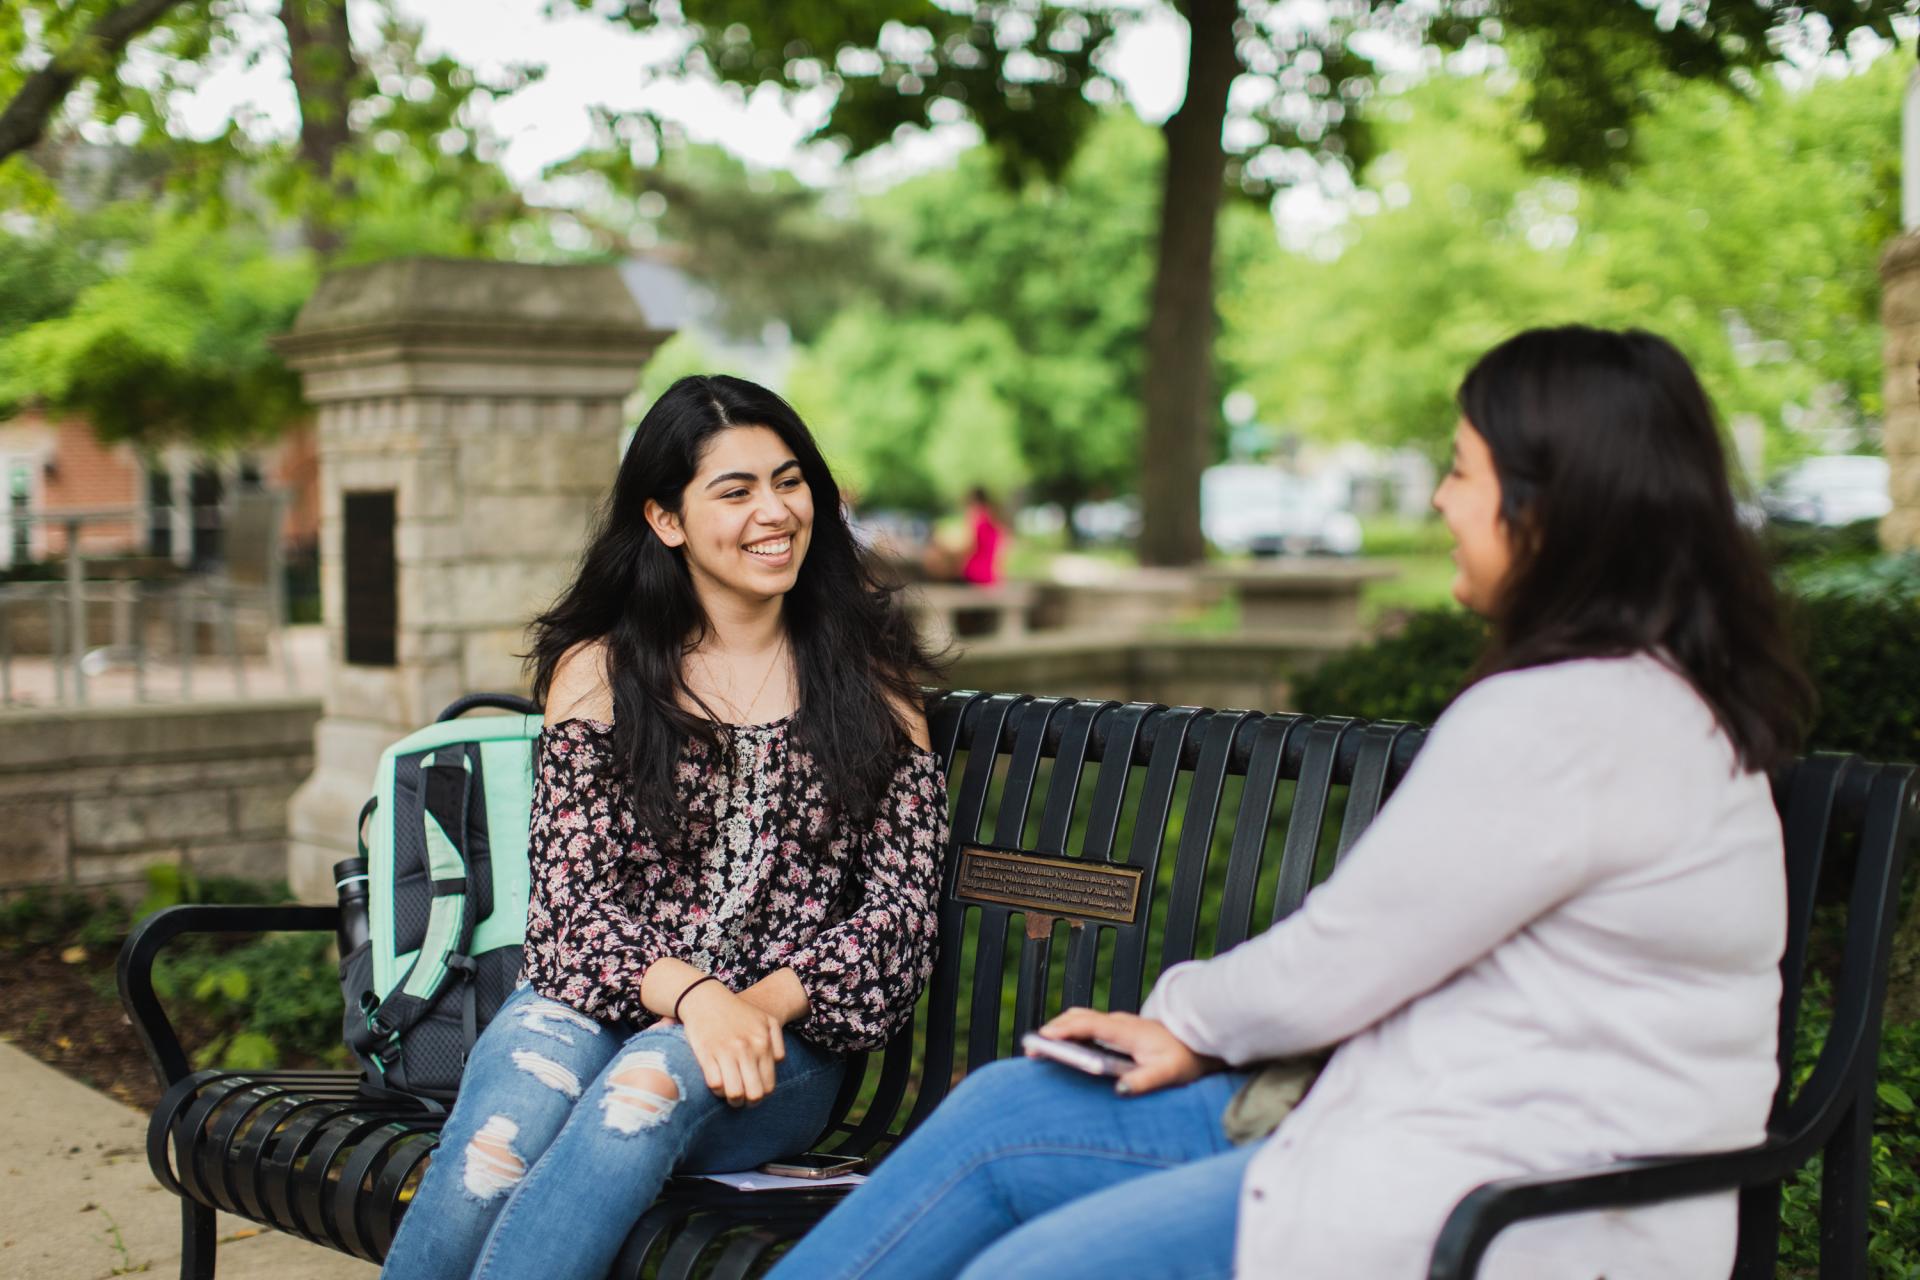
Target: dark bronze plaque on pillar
369	582
1033	883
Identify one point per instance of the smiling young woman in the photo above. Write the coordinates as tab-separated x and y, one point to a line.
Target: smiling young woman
736	844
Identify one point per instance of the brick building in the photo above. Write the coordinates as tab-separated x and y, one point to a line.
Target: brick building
172	498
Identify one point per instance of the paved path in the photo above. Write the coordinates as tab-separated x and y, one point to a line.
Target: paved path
77	1201
31	681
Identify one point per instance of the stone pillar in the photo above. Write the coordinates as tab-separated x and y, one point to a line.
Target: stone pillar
469	418
1900	317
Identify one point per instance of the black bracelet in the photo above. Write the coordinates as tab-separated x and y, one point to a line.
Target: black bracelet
684	994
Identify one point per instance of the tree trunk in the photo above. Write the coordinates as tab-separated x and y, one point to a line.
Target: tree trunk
320	56
40	94
1179	379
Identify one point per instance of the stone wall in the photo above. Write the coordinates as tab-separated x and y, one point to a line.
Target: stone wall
1900	317
96	796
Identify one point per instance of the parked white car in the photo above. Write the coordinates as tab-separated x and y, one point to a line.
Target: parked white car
1832	490
1245	507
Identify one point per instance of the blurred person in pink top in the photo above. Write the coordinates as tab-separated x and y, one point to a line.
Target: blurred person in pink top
982	565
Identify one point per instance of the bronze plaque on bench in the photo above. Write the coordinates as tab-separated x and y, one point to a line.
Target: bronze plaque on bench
1036	883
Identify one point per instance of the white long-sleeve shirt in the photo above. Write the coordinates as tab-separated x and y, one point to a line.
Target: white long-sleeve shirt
1556	946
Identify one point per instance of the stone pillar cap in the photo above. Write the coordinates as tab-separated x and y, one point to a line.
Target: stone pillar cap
466	307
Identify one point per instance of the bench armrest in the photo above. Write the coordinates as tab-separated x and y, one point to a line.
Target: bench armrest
1489	1209
143	945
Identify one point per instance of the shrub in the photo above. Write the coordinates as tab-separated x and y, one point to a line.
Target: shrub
37	918
1893	1216
1859	630
1408	676
1788	544
276	997
1857	626
265	1000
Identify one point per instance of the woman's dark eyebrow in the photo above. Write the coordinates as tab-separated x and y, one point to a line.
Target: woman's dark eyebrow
734	477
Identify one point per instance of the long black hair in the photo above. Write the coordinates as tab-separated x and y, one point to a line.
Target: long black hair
1616	498
855	653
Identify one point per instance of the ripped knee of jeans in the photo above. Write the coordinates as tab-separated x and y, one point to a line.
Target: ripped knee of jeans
552	1074
493	1167
552	1019
640	1092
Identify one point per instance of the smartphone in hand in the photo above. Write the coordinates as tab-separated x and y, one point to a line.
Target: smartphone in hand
1092	1057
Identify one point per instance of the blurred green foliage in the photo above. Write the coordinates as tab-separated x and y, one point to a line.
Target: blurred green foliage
1016	362
172	345
1857	625
1748	232
142	272
1893	1215
1410	675
1860	633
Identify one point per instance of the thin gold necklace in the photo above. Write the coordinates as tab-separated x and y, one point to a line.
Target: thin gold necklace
733	708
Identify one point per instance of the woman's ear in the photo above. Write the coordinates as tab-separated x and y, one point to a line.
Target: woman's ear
665	524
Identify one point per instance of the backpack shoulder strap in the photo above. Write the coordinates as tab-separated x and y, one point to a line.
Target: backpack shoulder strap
447	794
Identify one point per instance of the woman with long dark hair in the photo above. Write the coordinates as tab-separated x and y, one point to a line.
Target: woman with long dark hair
1557	945
736	843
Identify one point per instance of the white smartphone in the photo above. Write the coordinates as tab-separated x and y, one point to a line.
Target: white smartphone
1090	1056
813	1164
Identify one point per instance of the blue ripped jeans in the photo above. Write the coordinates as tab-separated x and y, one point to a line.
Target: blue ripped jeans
566	1128
1033	1171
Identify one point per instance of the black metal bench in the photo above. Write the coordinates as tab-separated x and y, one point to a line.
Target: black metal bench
1131	828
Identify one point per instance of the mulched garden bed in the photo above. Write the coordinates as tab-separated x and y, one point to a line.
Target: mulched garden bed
62	1007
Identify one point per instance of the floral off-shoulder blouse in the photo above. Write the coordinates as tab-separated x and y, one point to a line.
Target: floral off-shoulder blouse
765	874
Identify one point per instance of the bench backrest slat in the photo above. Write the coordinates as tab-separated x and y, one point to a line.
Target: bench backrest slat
1812	793
1208	782
1268	737
1168	742
1301	854
1369	786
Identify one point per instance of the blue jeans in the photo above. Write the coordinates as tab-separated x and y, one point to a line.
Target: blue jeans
566	1128
1032	1169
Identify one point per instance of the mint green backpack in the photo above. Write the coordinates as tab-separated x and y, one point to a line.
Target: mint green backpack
445	842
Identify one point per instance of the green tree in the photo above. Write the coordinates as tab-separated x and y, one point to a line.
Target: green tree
381	125
765	243
913	433
117	303
174	345
1028	72
1050	285
1455	245
1748	234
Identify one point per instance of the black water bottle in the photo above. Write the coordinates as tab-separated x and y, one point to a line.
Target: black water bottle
350	882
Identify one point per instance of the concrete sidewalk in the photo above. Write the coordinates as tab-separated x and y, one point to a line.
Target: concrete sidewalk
78	1203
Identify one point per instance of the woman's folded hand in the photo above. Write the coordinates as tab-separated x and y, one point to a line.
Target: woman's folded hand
738	1045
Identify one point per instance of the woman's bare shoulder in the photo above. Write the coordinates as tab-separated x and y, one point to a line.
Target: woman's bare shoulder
913	719
579	690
